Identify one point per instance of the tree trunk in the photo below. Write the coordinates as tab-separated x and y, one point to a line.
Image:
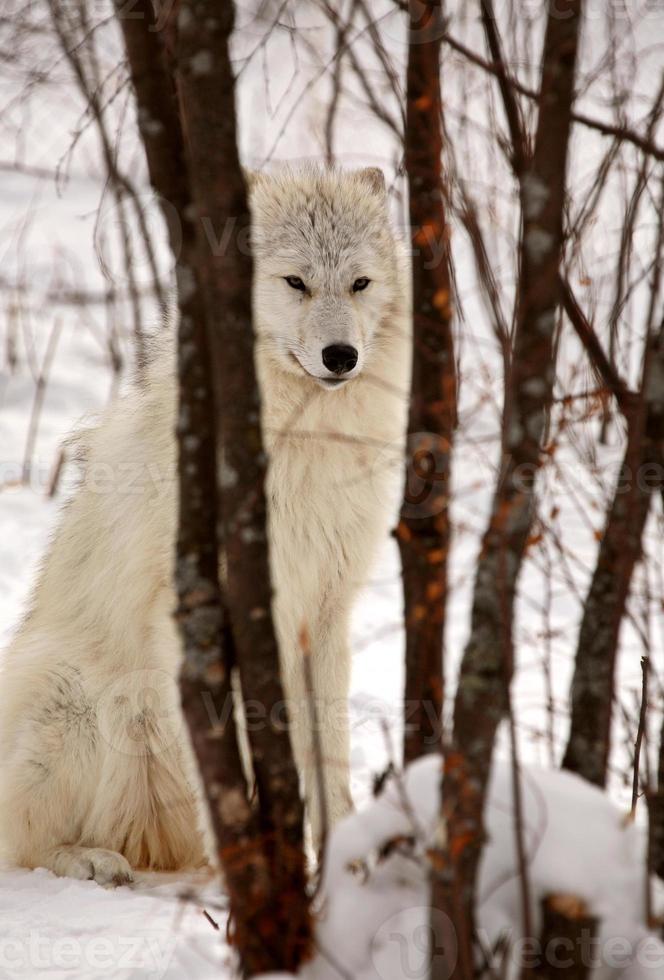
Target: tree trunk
201	189
641	473
592	690
566	940
423	531
487	666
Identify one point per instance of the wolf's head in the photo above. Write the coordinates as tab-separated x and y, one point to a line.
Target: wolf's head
325	272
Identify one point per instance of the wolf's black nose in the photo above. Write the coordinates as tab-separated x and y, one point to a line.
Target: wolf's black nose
339	358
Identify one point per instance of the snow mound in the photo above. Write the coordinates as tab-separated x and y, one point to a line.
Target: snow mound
374	924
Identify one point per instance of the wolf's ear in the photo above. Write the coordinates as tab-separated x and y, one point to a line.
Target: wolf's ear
375	178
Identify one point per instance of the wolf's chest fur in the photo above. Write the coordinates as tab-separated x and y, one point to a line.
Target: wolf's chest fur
330	489
329	463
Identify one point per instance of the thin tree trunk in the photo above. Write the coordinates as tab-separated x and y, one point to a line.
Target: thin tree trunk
423	531
201	183
641	473
656	816
487	665
656	795
592	690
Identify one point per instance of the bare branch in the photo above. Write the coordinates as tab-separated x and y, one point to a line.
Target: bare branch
617	131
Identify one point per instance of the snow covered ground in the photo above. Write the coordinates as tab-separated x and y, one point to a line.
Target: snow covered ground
61	928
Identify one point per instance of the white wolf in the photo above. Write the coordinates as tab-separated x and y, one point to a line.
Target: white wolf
96	775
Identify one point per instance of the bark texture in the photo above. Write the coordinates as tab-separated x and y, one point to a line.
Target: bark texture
423	531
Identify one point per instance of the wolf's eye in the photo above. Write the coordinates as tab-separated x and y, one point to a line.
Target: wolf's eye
360	284
295	283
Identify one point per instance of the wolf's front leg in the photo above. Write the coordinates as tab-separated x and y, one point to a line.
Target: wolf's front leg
322	749
89	863
49	781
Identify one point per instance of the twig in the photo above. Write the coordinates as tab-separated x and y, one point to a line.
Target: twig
38	402
519	825
620	132
213	922
645	671
54	482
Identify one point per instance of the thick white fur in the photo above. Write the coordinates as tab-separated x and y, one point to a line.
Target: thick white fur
96	775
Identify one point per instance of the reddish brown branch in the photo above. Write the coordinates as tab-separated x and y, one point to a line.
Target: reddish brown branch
599	360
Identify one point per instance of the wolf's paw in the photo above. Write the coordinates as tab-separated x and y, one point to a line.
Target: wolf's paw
92	864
